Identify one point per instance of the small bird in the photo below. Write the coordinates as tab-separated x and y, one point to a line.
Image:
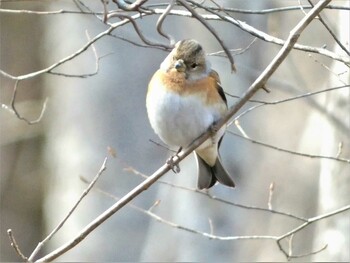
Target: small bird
184	99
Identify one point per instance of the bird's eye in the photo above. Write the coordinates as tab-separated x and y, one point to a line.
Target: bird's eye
194	65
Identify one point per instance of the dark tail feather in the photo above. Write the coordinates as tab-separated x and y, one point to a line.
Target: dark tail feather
207	175
221	174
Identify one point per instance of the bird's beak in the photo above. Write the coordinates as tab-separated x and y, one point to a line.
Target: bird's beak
180	65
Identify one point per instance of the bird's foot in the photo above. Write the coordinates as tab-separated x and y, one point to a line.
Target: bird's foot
214	128
174	167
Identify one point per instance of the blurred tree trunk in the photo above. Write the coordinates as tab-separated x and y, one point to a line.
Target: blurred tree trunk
334	177
21	171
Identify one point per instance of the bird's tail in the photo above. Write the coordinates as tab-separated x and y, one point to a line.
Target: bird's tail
207	175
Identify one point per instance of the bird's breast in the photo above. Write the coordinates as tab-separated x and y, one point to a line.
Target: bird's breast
177	117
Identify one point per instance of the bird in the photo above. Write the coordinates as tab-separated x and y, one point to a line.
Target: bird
184	99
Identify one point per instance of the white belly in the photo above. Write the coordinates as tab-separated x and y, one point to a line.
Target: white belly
179	120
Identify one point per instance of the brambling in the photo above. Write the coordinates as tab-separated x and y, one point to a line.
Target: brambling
184	99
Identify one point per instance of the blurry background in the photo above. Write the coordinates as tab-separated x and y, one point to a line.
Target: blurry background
41	163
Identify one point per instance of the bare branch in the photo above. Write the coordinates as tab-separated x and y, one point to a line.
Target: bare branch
226	9
138	31
274	10
309	253
97	64
71	56
260	34
105	10
59	226
343	160
340	149
309	222
331	32
14	111
137	44
210	28
337	75
15	245
288	254
160	23
130	7
247	28
162	145
215	198
319	107
271	190
294	97
238	51
57	12
275	63
301	8
160	219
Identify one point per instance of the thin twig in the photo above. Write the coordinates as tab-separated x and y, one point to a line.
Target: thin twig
302	8
138	44
304	95
135	6
105	10
313	156
162	145
309	253
71	56
15	245
340	149
241	130
274	10
309	222
271	190
337	121
337	75
331	32
138	31
59	226
160	23
12	109
97	64
237	51
290	245
56	12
